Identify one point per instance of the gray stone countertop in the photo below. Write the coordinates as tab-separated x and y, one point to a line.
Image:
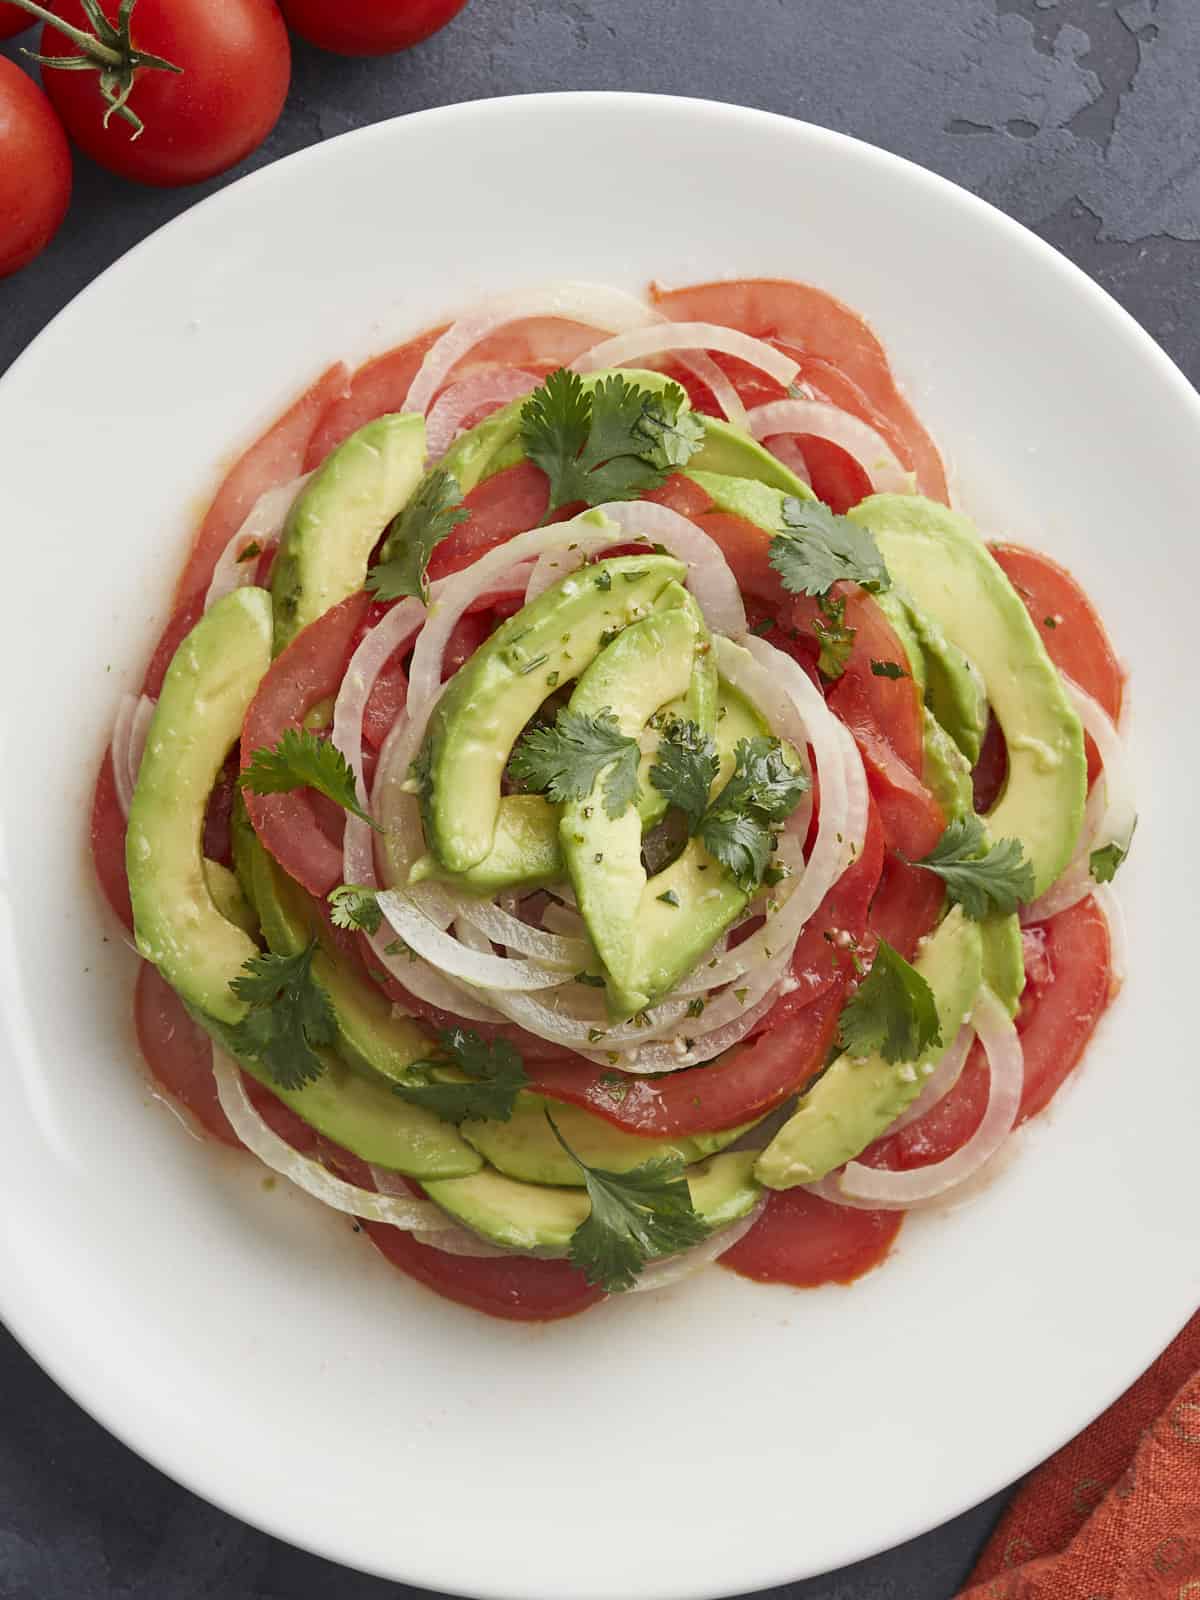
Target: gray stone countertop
1079	117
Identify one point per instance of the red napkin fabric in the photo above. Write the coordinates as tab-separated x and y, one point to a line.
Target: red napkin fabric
1115	1515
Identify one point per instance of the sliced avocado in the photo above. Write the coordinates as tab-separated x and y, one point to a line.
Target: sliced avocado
495	443
899	617
759	503
228	897
945	769
536	1217
525	1148
735	456
338	517
1003	961
524	853
942	563
857	1098
954	689
205	695
486	704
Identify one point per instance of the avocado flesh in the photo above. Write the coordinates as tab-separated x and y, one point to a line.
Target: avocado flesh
857	1099
537	1217
729	453
525	1148
954	689
205	695
228	897
1003	961
338	518
759	503
944	769
939	560
488	701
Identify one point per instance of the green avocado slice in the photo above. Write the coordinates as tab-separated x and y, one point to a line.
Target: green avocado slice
486	704
537	1217
856	1099
338	517
940	561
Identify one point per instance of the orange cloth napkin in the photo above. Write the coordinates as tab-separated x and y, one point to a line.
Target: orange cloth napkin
1115	1515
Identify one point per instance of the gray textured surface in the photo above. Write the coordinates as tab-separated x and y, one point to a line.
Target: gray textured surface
1079	117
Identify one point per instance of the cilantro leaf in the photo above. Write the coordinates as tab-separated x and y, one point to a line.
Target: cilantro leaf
737	827
834	637
892	1011
612	442
289	1014
979	879
432	514
565	760
1103	863
355	906
494	1073
685	768
635	1216
302	761
817	547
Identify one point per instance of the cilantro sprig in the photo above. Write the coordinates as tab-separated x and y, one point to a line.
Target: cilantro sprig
614	441
563	761
685	768
635	1216
432	514
892	1011
738	827
354	905
302	761
1103	863
978	877
290	1016
494	1075
816	548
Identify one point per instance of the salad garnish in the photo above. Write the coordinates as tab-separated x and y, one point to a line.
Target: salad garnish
563	761
979	877
301	760
490	1078
430	516
290	1016
893	1011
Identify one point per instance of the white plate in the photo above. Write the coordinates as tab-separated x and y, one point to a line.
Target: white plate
722	1436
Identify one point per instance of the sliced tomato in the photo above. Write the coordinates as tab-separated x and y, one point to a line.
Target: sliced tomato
745	547
517	1288
805	1241
832	339
1068	986
1070	628
539	344
913	822
907	905
508	502
179	624
376	388
387	699
892	704
817	960
108	842
309	670
273	459
835	475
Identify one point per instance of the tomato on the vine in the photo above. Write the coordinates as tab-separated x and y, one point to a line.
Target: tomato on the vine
13	21
183	92
368	27
35	169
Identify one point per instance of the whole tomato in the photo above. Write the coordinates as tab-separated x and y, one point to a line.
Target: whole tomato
368	27
35	169
13	21
209	78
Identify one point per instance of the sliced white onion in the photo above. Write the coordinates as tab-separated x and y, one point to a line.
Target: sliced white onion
674	1055
709	576
424	982
594	305
1118	937
480	968
501	927
447	1236
661	338
493	389
134	716
857	438
274	1152
872	1188
670	1269
723	392
262	527
942	1076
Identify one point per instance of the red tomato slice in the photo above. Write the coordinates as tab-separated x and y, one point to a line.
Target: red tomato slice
844	910
536	343
180	623
907	905
836	477
378	387
1067	990
828	332
805	1241
913	822
509	502
108	842
517	1288
273	459
387	699
1070	629
309	670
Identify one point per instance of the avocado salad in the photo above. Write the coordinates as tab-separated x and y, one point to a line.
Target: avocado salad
596	810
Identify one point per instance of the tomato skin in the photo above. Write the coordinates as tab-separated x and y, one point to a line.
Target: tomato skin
236	67
805	1241
907	905
508	502
379	386
368	27
14	21
35	168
